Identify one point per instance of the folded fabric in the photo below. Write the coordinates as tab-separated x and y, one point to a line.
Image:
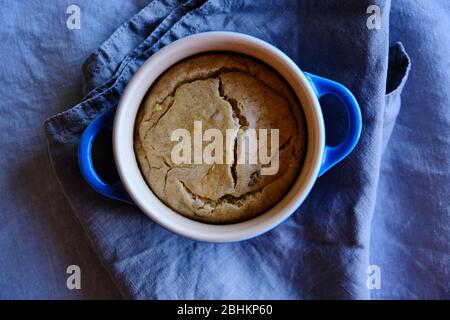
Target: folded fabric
410	230
322	251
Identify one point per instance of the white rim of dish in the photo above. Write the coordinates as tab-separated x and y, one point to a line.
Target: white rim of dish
130	102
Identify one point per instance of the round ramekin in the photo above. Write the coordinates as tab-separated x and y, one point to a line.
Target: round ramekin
133	187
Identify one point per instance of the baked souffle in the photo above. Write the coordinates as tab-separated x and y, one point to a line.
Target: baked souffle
220	91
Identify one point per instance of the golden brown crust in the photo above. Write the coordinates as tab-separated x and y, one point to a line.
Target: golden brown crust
224	91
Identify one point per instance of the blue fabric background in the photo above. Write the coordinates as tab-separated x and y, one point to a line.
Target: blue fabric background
386	205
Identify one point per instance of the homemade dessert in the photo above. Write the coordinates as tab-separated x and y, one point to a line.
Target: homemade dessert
236	95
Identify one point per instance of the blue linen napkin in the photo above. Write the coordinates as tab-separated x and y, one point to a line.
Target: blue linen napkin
322	251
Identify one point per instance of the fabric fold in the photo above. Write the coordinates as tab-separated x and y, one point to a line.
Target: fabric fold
398	71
